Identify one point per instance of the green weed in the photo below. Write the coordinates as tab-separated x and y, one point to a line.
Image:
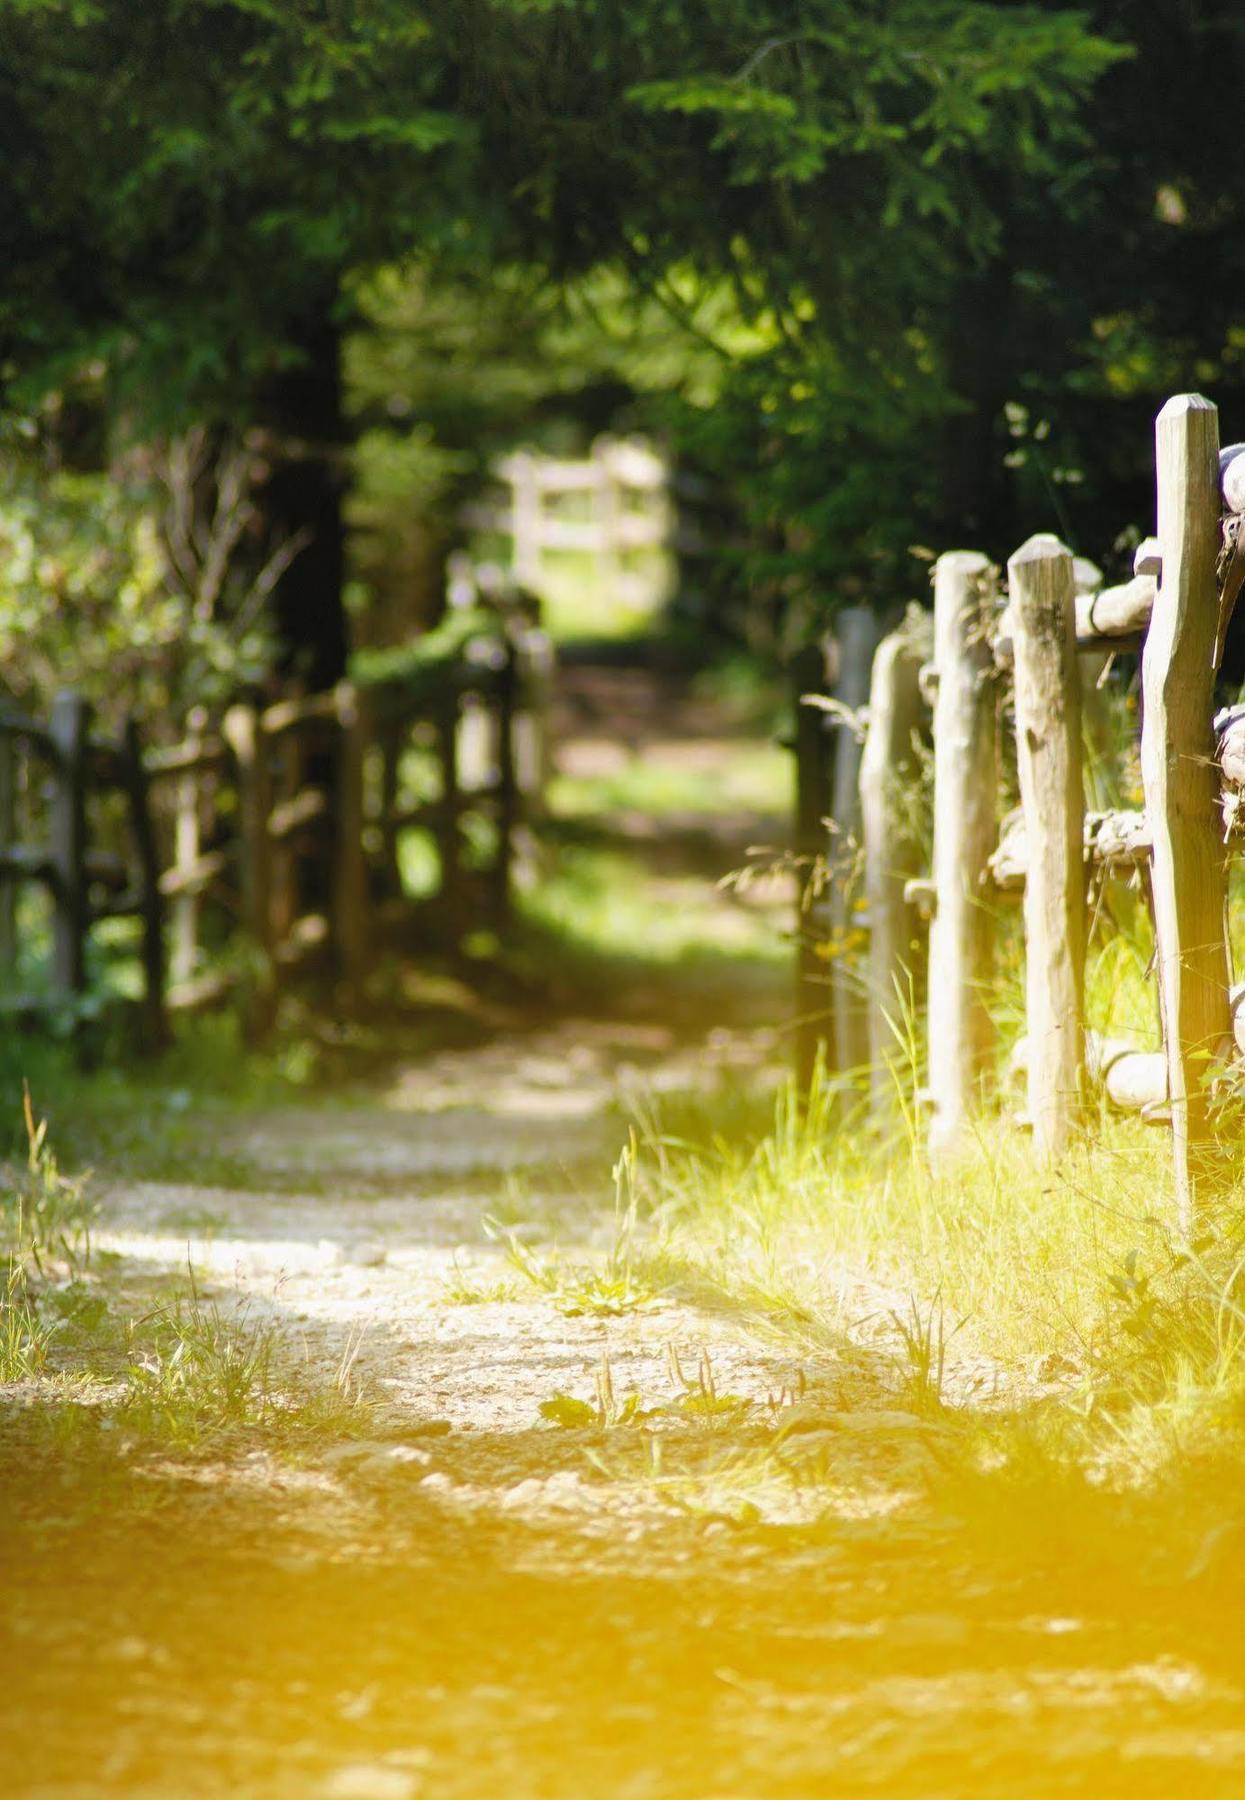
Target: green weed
695	1400
617	1284
197	1372
462	1287
194	1370
46	1213
25	1332
697	1397
924	1337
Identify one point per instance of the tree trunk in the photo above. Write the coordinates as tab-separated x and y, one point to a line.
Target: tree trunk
302	409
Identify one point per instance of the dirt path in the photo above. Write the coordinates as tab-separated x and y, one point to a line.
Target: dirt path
473	1601
750	1582
398	1249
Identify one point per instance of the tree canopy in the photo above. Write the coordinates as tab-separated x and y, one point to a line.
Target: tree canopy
940	257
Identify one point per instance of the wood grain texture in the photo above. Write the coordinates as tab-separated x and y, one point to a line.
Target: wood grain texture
70	725
350	875
965	781
889	778
1180	780
858	631
1048	754
813	750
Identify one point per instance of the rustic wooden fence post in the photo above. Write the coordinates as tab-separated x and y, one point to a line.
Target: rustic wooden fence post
151	904
858	633
448	828
533	758
70	725
187	844
244	734
965	781
1188	873
525	511
8	841
889	782
350	885
608	514
507	813
476	749
285	764
813	751
1048	748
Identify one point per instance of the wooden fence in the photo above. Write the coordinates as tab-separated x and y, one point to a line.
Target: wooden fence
621	499
621	496
1024	664
275	829
48	771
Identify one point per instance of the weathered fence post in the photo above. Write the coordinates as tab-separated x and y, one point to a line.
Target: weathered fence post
607	512
965	781
477	743
244	734
507	815
285	765
67	841
1188	875
1048	748
525	504
889	782
858	633
350	894
533	758
187	843
151	905
8	840
448	827
813	751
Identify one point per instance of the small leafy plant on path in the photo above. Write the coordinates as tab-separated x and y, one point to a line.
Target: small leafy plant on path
696	1400
608	1289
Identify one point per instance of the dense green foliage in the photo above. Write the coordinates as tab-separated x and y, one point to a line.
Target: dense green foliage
185	177
922	267
100	591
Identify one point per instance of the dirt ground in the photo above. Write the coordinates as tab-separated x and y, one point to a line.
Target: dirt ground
756	1589
475	1601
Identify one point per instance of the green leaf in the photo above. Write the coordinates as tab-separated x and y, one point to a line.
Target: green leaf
567	1411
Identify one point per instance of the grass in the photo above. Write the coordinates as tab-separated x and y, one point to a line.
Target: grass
604	1288
1065	1302
462	1286
194	1370
189	1371
186	1368
202	1372
983	1289
147	1115
747	778
25	1333
581	601
694	1400
599	930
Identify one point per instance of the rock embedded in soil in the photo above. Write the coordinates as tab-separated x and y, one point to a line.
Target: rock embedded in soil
373	1459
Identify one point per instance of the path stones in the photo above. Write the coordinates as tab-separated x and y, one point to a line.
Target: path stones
372	1460
365	1253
